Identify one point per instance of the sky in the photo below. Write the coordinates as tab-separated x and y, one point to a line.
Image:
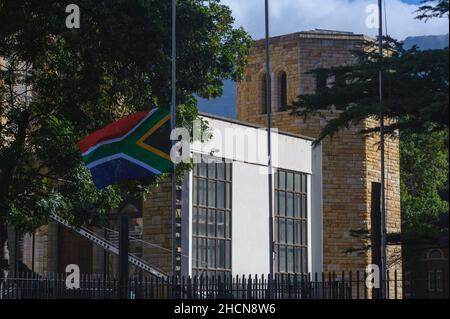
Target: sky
287	16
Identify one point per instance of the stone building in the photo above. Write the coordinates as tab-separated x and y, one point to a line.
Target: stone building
351	163
341	175
223	215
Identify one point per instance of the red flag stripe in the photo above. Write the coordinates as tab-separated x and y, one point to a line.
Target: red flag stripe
113	130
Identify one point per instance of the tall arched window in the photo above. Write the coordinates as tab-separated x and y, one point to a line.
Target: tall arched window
282	92
264	94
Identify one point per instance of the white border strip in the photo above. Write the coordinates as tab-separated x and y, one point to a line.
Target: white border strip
124	156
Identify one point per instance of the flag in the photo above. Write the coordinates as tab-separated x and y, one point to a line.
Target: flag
131	148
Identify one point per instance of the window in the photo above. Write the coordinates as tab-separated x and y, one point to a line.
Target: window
321	81
435	254
338	81
435	278
282	92
291	216
211	242
264	94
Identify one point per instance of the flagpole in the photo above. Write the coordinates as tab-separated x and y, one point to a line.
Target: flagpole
269	140
382	149
173	125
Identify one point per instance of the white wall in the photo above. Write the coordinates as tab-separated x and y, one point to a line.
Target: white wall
186	225
316	216
250	221
250	206
248	144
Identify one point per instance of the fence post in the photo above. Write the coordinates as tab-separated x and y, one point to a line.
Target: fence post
316	286
350	285
396	284
249	287
243	290
152	289
325	292
388	284
123	257
436	284
189	287
114	288
195	287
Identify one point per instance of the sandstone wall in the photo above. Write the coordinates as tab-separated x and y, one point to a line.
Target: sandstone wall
350	162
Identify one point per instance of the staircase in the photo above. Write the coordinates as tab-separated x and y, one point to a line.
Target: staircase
110	247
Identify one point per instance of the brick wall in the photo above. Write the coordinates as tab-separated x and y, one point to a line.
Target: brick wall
157	227
73	249
392	175
45	250
350	162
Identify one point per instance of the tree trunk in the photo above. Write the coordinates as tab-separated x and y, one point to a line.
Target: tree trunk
4	253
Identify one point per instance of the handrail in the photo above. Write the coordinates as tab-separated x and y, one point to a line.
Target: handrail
105	244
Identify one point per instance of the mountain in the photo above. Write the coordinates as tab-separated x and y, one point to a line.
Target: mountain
427	42
226	105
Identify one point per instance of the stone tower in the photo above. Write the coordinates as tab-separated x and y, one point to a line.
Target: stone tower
351	163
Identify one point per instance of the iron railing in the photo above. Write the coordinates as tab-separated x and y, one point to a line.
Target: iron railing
345	285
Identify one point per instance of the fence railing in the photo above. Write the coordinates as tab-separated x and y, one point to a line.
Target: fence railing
317	286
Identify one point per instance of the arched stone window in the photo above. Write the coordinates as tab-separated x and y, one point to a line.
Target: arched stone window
263	85
282	91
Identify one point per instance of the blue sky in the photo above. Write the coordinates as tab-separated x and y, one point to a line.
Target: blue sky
289	16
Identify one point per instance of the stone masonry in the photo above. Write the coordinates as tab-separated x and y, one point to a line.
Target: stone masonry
350	162
157	228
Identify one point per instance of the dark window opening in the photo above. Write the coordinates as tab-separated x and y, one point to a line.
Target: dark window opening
435	281
264	94
340	80
291	222
283	99
211	222
321	81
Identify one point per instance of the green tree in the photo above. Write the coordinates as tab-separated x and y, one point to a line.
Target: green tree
57	85
424	163
415	86
433	9
415	100
415	91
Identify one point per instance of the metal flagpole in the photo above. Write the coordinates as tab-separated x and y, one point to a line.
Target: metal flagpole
173	125
269	139
382	148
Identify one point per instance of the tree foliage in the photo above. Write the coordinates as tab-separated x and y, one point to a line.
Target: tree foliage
424	163
415	86
415	91
416	102
57	85
433	9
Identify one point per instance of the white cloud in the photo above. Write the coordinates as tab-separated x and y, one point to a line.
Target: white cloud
289	16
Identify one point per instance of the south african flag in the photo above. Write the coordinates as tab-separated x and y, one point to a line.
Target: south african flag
133	147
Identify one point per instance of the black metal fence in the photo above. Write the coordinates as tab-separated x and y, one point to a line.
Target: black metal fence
318	286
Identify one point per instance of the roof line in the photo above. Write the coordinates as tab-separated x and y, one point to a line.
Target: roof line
320	34
238	122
